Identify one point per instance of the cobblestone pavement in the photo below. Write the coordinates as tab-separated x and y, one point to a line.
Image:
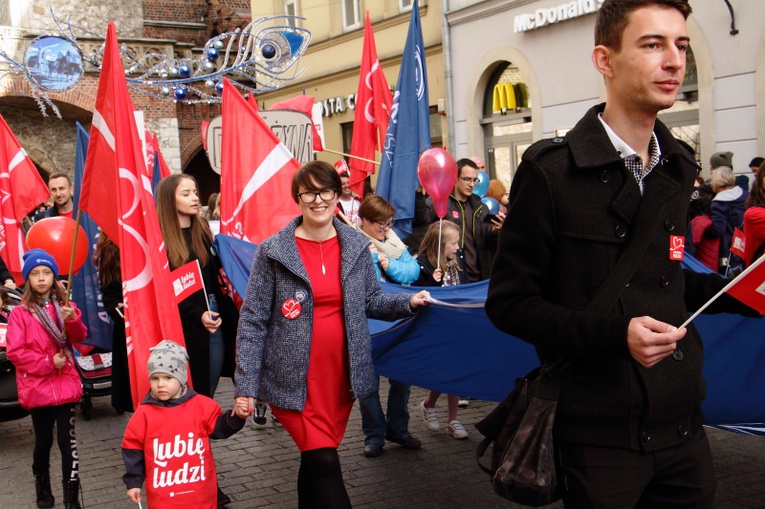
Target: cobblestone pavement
258	467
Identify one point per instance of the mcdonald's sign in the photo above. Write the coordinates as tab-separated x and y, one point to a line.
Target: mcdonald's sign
503	98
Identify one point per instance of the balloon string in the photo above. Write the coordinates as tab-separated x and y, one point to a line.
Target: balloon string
440	231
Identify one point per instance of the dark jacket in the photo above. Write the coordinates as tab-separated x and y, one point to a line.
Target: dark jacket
272	352
485	242
197	337
572	210
426	272
727	213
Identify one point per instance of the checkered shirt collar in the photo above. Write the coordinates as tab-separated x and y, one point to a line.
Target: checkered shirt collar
631	159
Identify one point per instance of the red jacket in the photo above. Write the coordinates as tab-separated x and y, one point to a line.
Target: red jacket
31	349
754	232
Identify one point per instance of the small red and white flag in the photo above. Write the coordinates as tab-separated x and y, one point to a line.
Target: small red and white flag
738	243
256	173
187	279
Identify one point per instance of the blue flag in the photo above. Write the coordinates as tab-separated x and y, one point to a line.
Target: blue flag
408	131
86	292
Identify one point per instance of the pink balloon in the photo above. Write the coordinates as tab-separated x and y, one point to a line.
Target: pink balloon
438	173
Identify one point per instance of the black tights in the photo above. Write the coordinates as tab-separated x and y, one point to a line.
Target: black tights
320	481
43	419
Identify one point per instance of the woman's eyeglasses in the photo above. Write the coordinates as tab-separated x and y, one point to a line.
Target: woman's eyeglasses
310	196
384	226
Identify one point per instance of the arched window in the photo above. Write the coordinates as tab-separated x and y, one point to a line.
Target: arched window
506	121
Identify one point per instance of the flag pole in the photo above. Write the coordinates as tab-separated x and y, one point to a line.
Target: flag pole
352	156
71	257
725	289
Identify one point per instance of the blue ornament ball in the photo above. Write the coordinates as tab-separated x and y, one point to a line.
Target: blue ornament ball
268	51
219	87
180	93
212	54
185	70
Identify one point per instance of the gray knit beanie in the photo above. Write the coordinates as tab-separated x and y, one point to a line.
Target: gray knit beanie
721	159
170	358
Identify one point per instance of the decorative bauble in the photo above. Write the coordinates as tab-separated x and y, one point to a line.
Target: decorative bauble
180	93
185	71
212	54
219	87
209	84
209	66
165	91
173	72
218	44
268	51
163	74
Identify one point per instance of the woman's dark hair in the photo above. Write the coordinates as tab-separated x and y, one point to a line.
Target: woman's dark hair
757	196
107	260
167	213
375	208
315	176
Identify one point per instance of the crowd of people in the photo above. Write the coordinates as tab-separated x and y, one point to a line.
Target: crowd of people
300	342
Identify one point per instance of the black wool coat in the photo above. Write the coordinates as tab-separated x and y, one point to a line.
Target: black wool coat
573	208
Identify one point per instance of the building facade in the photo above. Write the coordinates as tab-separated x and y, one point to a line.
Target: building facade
522	71
332	62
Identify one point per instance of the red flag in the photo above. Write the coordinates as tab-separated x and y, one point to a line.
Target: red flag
187	279
303	104
749	286
164	170
373	106
737	245
21	190
252	101
256	173
116	192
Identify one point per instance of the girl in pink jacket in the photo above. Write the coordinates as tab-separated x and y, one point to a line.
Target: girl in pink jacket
40	335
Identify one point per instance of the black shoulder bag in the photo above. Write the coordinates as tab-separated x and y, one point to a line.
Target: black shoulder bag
521	427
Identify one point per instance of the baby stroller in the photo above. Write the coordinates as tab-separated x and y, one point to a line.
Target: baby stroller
96	374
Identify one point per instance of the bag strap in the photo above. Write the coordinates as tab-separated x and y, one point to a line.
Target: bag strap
617	280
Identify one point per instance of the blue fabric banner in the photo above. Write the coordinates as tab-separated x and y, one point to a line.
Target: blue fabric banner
408	131
86	291
455	349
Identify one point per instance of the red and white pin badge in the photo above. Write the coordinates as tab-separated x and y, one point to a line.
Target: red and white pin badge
291	309
676	247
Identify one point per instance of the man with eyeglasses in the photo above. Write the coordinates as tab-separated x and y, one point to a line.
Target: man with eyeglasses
478	239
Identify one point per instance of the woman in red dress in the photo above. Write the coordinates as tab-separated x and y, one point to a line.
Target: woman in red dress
303	344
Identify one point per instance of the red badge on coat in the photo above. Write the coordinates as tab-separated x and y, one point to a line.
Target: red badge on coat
455	214
676	247
291	309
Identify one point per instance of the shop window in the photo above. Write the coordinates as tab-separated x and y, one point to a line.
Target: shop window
405	5
351	14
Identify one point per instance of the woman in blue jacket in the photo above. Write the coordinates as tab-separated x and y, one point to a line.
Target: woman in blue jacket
303	344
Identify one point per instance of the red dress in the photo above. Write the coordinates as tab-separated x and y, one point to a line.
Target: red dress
329	400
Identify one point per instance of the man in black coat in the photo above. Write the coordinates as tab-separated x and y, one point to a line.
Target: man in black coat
478	239
628	428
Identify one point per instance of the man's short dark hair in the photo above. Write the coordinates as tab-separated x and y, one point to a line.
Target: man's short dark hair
465	162
756	162
58	175
613	16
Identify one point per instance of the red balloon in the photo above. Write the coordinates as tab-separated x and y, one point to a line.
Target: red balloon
55	235
438	173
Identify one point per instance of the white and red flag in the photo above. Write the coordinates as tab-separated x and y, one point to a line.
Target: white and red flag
21	190
373	108
187	279
116	192
256	172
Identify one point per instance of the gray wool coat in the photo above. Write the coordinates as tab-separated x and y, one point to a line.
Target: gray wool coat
272	351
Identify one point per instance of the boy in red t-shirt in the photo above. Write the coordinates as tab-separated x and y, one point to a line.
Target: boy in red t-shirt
167	441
